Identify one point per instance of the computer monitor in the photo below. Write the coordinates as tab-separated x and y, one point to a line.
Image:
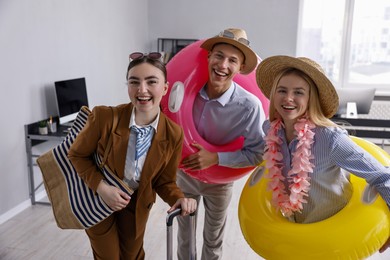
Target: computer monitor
354	101
71	95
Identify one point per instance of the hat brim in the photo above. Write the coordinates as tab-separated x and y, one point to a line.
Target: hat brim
270	67
251	59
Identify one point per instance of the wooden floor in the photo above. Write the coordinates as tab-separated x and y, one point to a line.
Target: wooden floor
33	235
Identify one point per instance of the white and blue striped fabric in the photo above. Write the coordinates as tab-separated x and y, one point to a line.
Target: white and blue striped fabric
143	141
86	206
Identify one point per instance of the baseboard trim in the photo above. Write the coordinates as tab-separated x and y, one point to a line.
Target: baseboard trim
19	208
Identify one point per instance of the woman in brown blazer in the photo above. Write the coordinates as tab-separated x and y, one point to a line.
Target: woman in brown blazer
148	172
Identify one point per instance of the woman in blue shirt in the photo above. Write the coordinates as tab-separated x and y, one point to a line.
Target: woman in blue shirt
308	156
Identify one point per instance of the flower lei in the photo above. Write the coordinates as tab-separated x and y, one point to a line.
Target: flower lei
298	177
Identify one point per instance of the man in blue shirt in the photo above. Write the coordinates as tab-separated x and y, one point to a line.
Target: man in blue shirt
222	112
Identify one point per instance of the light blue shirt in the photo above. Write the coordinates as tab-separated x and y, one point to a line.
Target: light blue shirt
335	155
235	113
133	168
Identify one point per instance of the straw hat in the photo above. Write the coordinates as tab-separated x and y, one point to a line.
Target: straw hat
269	68
237	38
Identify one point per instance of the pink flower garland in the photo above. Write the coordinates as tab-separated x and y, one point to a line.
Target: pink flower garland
298	177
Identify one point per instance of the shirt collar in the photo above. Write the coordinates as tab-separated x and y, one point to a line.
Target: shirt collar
154	124
223	99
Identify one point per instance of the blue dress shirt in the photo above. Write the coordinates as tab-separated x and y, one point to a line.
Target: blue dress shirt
335	156
237	112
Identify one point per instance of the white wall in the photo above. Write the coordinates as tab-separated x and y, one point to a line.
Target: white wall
271	25
43	41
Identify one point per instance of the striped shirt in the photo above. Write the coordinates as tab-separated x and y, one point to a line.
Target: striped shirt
335	155
133	168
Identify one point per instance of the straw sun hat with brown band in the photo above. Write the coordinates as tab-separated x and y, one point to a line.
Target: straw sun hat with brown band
237	38
269	68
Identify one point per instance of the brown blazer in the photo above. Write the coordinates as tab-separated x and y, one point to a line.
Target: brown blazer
159	171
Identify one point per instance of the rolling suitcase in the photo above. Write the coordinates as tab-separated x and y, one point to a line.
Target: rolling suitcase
170	218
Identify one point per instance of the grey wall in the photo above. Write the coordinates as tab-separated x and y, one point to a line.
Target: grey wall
271	25
43	41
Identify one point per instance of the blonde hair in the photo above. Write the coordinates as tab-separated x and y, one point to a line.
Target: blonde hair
314	110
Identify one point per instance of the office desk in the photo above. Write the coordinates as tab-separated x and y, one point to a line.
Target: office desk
32	138
365	128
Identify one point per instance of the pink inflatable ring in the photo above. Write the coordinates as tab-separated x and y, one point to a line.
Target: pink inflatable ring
187	74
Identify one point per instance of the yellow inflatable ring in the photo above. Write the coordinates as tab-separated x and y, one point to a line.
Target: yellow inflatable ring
355	232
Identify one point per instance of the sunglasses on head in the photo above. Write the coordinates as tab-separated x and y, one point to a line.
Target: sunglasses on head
230	35
140	55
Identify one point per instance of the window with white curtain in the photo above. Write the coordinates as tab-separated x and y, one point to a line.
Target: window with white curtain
350	39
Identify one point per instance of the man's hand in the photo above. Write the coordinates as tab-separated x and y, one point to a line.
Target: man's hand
112	196
201	160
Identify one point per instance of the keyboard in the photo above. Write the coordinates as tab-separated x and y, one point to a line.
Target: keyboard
379	110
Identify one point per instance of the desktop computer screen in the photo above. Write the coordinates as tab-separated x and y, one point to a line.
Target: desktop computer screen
71	95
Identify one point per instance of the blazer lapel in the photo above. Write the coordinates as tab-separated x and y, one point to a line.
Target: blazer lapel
154	156
121	139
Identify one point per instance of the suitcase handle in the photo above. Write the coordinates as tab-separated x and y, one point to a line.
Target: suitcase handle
170	218
174	214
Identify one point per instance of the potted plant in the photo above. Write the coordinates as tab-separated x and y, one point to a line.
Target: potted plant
42	127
